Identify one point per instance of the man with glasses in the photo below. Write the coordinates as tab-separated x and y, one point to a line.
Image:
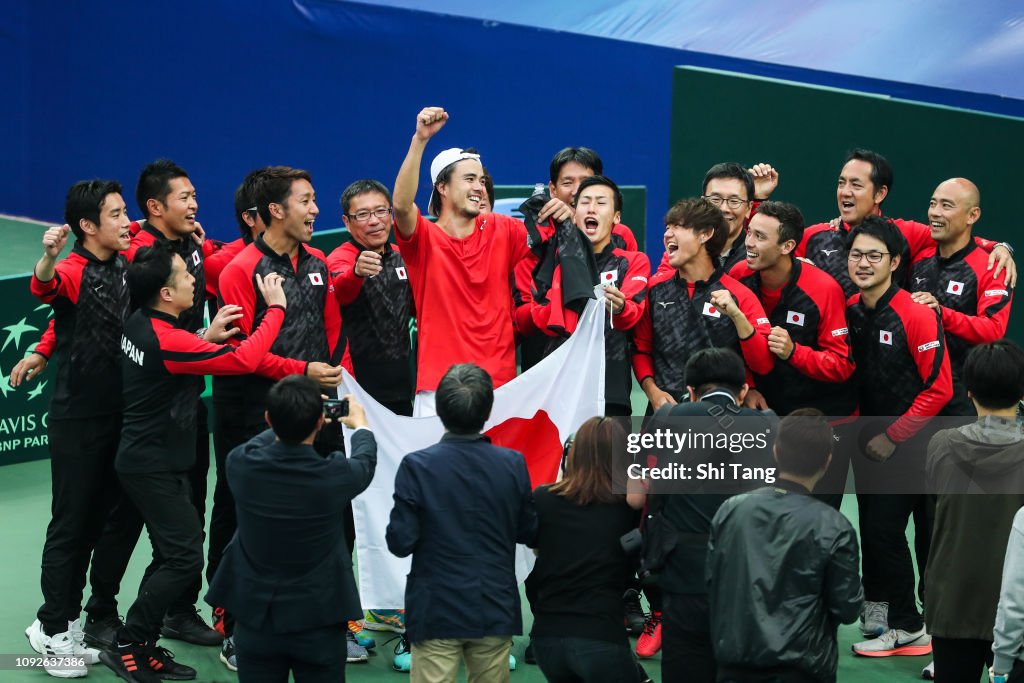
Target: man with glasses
371	285
903	372
735	191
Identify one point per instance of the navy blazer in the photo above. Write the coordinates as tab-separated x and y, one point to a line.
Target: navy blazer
288	567
461	506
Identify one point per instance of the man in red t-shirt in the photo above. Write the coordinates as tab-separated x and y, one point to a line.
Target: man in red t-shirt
460	267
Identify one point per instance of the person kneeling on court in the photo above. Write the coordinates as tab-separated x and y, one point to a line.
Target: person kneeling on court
287	576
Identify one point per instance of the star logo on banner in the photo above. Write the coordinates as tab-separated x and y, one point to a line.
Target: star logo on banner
15	331
5	384
37	391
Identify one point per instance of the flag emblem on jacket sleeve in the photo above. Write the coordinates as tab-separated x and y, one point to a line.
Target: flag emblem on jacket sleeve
711	311
316	278
885	337
795	318
955	287
402	275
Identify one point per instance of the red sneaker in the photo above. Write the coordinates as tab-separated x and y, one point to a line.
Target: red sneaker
649	643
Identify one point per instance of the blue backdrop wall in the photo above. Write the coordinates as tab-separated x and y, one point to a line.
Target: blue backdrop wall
100	89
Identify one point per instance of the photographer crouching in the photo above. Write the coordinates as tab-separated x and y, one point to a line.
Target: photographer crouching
287	575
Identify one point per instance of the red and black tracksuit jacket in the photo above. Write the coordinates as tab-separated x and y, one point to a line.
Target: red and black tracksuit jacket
376	312
902	363
216	262
311	328
90	304
812	308
826	247
162	367
680	320
192	254
975	305
629	272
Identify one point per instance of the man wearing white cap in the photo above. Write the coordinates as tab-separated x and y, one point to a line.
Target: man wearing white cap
460	266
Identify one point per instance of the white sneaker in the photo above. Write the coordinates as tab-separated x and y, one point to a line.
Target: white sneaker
928	673
874	619
896	642
60	658
90	654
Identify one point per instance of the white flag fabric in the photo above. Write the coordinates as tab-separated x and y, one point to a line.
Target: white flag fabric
534	414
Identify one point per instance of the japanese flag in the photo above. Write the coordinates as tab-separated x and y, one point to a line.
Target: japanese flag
795	318
711	311
316	278
885	337
955	287
402	275
609	277
195	257
533	414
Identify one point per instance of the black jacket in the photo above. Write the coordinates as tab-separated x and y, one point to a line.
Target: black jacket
288	567
782	574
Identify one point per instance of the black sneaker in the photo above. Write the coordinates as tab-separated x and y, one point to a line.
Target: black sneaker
161	660
130	663
528	655
102	633
634	612
190	628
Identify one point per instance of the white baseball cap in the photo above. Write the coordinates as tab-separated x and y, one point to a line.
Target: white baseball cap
442	161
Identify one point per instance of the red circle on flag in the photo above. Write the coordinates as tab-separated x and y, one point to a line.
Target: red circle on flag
795	317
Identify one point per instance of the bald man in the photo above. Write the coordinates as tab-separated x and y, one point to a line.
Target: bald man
952	278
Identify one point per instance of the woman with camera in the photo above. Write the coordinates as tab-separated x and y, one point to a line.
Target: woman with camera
576	586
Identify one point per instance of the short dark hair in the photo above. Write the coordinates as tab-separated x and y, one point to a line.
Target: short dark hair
804	442
729	169
489	188
584	156
882	230
464	398
364	186
275	186
701	216
85	200
294	408
791	221
434	207
245	199
149	272
155	182
994	374
881	169
605	181
716	367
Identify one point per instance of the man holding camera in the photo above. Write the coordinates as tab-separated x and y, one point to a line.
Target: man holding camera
286	577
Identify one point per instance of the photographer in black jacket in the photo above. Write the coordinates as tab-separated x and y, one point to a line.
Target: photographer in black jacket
772	620
716	383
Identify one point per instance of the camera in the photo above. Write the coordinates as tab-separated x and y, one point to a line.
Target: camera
335	408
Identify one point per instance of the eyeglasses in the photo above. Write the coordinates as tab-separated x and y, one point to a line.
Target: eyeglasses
364	215
731	202
872	256
252	209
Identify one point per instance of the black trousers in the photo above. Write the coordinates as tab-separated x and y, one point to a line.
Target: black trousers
832	486
960	660
312	656
84	490
686	652
232	427
585	660
124	527
164	499
887	566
